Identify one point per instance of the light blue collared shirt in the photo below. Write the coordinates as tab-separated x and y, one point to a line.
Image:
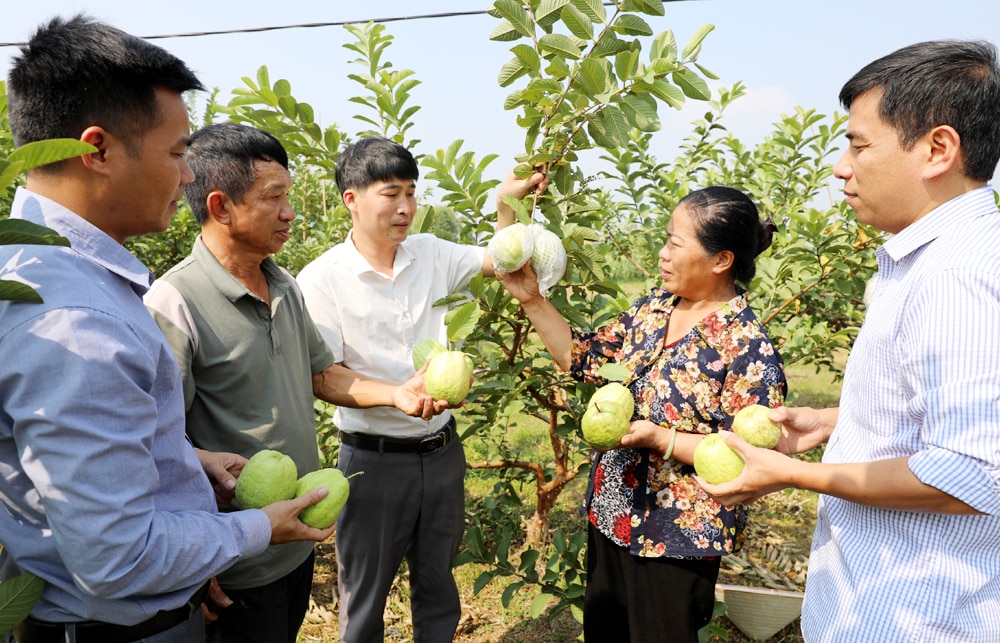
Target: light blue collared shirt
923	382
103	496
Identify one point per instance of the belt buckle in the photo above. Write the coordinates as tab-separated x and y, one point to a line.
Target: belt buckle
433	443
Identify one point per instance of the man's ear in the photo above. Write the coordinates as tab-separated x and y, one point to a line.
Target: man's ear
350	197
219	207
101	139
944	151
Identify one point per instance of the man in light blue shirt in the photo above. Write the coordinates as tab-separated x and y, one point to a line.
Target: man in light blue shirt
103	497
907	542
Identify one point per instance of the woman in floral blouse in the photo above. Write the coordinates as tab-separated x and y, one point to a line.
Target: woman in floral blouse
696	354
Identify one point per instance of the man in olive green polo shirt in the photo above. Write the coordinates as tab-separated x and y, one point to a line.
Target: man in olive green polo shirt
251	358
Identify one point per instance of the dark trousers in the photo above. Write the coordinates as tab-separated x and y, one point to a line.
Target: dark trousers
645	600
405	506
271	613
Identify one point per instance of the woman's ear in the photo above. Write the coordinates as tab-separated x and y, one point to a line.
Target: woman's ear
723	261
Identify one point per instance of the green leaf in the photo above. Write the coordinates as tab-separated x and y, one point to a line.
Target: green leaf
263	80
640	110
558	68
511	71
504	32
8	173
694	42
16	291
304	113
424	219
670	94
560	45
594	75
609	128
464	320
509	591
707	73
693	85
611	45
529	558
632	25
15	231
282	87
649	7
515	13
664	46
503	548
539	604
593	9
462	558
514	100
288	106
527	55
39	153
548	11
481	582
577	22
17	596
614	372
626	64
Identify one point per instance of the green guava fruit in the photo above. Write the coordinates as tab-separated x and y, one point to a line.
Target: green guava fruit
617	393
510	248
424	350
267	477
752	424
715	461
604	424
325	512
449	376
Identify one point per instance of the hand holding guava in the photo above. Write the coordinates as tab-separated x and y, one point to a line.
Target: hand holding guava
803	428
285	524
759	475
521	284
412	397
222	470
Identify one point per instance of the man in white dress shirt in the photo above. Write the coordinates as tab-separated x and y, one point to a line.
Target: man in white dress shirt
372	299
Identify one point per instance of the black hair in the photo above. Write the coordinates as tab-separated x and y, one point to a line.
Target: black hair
726	219
222	157
943	82
76	73
373	159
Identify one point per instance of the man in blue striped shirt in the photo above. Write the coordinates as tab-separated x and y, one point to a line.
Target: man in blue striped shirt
907	542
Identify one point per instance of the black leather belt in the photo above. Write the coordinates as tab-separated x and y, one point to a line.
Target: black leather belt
424	446
33	630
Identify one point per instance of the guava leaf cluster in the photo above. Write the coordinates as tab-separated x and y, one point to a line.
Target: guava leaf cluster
325	512
608	416
449	376
268	476
753	425
715	461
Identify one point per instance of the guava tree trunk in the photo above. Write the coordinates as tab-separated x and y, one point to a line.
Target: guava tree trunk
547	490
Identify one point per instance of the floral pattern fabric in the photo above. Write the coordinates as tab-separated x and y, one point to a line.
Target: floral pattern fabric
726	362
